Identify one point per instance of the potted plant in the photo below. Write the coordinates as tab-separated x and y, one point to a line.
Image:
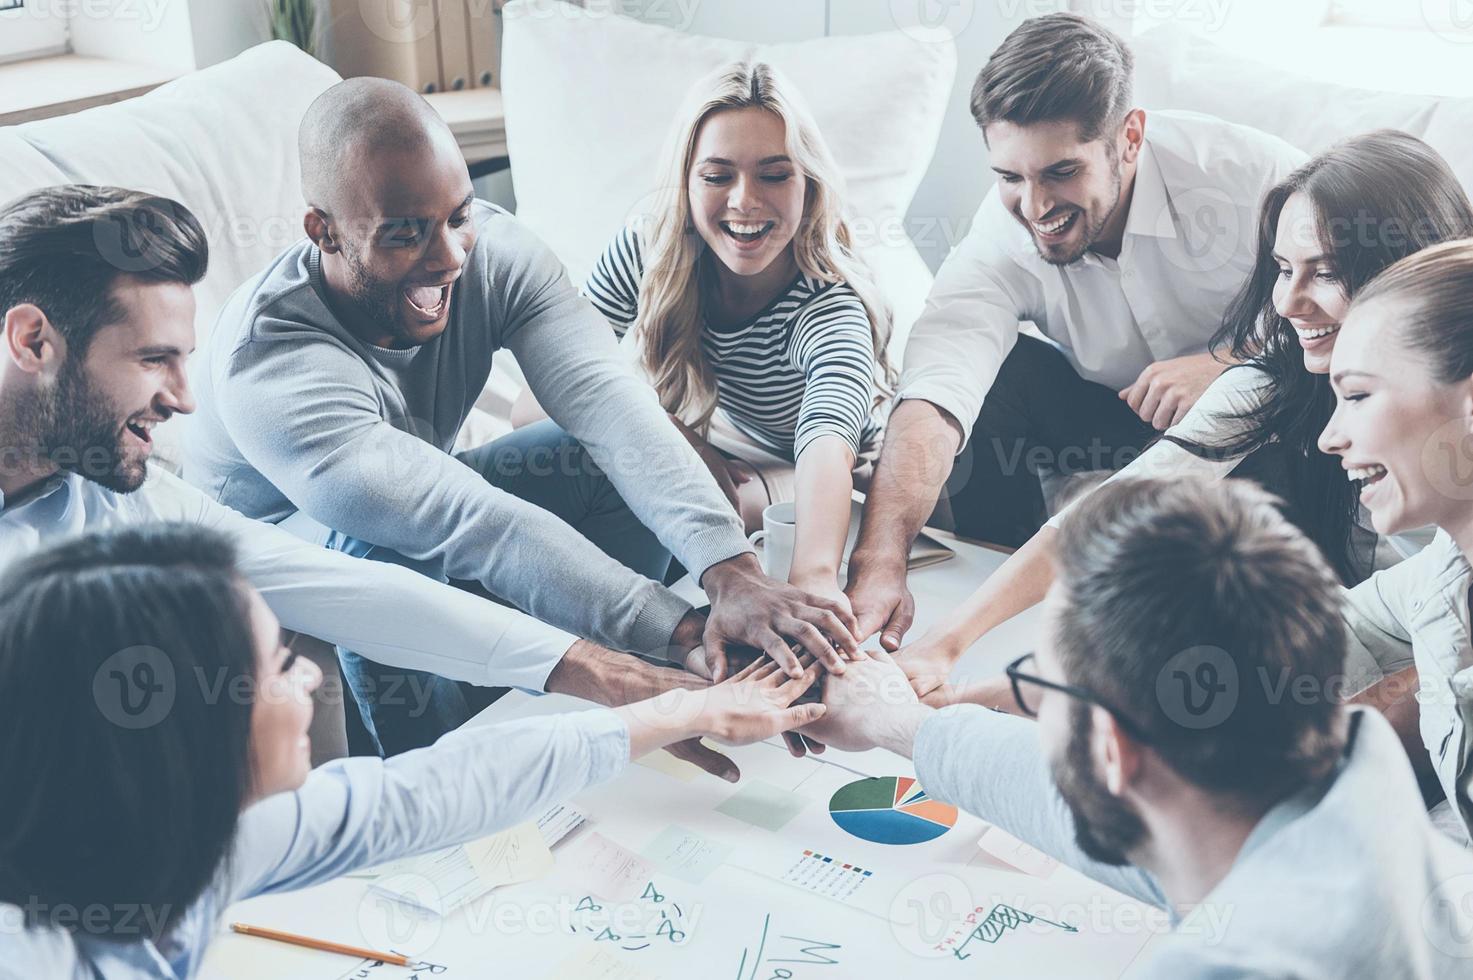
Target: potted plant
294	21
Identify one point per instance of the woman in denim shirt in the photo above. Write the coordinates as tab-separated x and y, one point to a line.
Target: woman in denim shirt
1403	426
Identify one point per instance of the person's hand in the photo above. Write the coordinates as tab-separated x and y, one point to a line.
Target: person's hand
861	701
927	664
881	600
699	754
750	609
1166	390
825	585
752	705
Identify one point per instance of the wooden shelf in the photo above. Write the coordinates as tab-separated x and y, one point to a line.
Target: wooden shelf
477	120
55	86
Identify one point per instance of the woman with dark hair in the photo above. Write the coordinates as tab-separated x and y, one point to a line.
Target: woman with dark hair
1402	433
156	765
1323	233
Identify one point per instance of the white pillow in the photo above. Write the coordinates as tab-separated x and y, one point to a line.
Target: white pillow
590	99
1177	69
222	141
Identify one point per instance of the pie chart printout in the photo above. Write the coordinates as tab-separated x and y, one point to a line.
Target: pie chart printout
890	810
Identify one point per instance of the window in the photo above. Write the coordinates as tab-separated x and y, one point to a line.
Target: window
32	28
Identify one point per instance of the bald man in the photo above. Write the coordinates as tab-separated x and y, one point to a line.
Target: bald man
337	380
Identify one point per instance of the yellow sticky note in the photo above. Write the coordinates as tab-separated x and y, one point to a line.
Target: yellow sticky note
594	963
662	761
517	854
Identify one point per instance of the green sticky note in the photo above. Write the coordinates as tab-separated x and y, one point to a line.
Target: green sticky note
763	805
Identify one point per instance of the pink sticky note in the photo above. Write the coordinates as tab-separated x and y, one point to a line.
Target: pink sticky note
613	872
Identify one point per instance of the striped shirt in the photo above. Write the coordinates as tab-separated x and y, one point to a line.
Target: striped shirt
804	367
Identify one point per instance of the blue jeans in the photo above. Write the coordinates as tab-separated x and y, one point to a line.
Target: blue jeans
543	465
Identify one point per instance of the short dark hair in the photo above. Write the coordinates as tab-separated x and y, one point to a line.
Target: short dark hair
1161	577
126	816
1058	67
64	248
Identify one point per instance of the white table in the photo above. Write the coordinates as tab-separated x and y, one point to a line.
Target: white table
741	920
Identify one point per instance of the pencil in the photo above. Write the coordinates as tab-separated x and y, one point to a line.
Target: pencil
322	944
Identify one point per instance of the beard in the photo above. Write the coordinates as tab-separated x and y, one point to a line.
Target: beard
1105	827
78	429
375	303
1093	220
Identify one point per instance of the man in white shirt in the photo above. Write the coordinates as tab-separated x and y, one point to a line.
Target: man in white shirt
1122	243
97	320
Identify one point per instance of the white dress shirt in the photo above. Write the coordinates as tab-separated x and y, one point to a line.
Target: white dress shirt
387	613
1188	246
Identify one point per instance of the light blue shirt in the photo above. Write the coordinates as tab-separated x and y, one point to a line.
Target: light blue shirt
351	814
1346	878
357	604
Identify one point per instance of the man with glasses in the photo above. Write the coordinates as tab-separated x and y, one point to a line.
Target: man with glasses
1191	748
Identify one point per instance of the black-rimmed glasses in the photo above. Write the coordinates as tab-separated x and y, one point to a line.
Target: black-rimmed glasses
1020	678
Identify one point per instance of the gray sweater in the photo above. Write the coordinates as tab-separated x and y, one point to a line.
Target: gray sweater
296	413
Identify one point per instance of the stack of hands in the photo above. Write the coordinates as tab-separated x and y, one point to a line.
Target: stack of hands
805	647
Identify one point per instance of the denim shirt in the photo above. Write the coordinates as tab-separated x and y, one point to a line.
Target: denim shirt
349	814
1417	613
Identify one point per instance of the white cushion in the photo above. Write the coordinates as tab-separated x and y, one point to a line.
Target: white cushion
26	169
1177	69
590	99
222	141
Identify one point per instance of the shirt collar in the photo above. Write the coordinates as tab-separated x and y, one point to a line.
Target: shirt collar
45	488
1151	214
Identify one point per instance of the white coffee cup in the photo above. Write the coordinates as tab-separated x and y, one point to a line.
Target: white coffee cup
774	543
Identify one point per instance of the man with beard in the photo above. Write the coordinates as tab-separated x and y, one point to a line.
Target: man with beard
1122	242
337	381
97	319
1190	749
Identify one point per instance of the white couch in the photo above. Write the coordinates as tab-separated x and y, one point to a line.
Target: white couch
222	141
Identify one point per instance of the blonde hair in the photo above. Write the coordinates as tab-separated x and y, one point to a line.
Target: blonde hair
1437	323
668	326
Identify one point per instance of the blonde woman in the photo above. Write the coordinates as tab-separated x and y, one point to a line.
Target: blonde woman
749	310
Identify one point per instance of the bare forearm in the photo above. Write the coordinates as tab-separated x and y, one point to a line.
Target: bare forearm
825	485
656	724
995	692
921	442
605	677
1021	583
896	730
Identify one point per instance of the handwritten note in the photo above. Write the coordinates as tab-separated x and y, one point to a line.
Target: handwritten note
442	881
686	854
784	956
514	855
613	872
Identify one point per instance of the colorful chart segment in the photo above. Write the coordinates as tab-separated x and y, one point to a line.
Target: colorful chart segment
890	810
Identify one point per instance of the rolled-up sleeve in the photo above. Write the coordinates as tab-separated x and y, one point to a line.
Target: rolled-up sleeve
382	611
969	324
